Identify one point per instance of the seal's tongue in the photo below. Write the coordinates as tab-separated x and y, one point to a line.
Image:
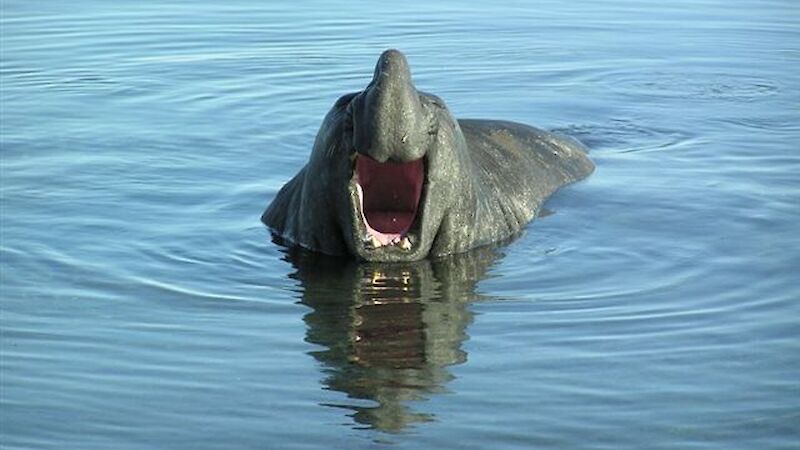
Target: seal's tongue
389	194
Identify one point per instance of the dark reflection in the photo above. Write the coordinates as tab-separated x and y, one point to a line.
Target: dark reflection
388	331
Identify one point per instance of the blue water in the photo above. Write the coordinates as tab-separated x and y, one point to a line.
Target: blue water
145	306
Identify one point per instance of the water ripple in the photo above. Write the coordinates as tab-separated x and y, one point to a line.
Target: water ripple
628	136
732	87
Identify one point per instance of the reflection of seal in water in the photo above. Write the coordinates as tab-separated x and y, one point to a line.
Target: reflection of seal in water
388	332
394	177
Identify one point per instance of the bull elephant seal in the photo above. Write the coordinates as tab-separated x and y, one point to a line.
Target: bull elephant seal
394	177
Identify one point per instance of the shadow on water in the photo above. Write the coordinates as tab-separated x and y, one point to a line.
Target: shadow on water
389	331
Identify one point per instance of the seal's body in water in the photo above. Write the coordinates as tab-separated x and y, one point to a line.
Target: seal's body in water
394	177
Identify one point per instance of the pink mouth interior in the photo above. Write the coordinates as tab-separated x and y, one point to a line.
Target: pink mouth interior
389	194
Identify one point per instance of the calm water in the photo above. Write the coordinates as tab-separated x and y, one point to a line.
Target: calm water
144	305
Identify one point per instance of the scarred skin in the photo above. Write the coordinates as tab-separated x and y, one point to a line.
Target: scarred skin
484	179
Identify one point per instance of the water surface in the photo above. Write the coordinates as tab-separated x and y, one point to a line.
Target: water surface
144	305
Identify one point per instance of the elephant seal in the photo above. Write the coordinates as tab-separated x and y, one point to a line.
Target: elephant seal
393	176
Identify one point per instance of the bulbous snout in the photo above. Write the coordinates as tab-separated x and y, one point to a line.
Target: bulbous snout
389	120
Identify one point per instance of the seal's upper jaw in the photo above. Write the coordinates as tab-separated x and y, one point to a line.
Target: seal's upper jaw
391	134
390	120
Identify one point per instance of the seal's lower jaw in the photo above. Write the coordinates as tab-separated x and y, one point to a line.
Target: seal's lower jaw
387	200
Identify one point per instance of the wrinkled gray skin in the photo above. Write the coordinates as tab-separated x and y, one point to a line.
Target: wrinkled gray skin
484	179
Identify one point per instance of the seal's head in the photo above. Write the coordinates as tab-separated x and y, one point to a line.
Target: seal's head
403	147
394	177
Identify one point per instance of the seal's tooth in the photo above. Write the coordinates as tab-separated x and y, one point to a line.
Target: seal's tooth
371	241
405	244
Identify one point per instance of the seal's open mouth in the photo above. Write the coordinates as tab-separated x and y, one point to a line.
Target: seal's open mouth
389	195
